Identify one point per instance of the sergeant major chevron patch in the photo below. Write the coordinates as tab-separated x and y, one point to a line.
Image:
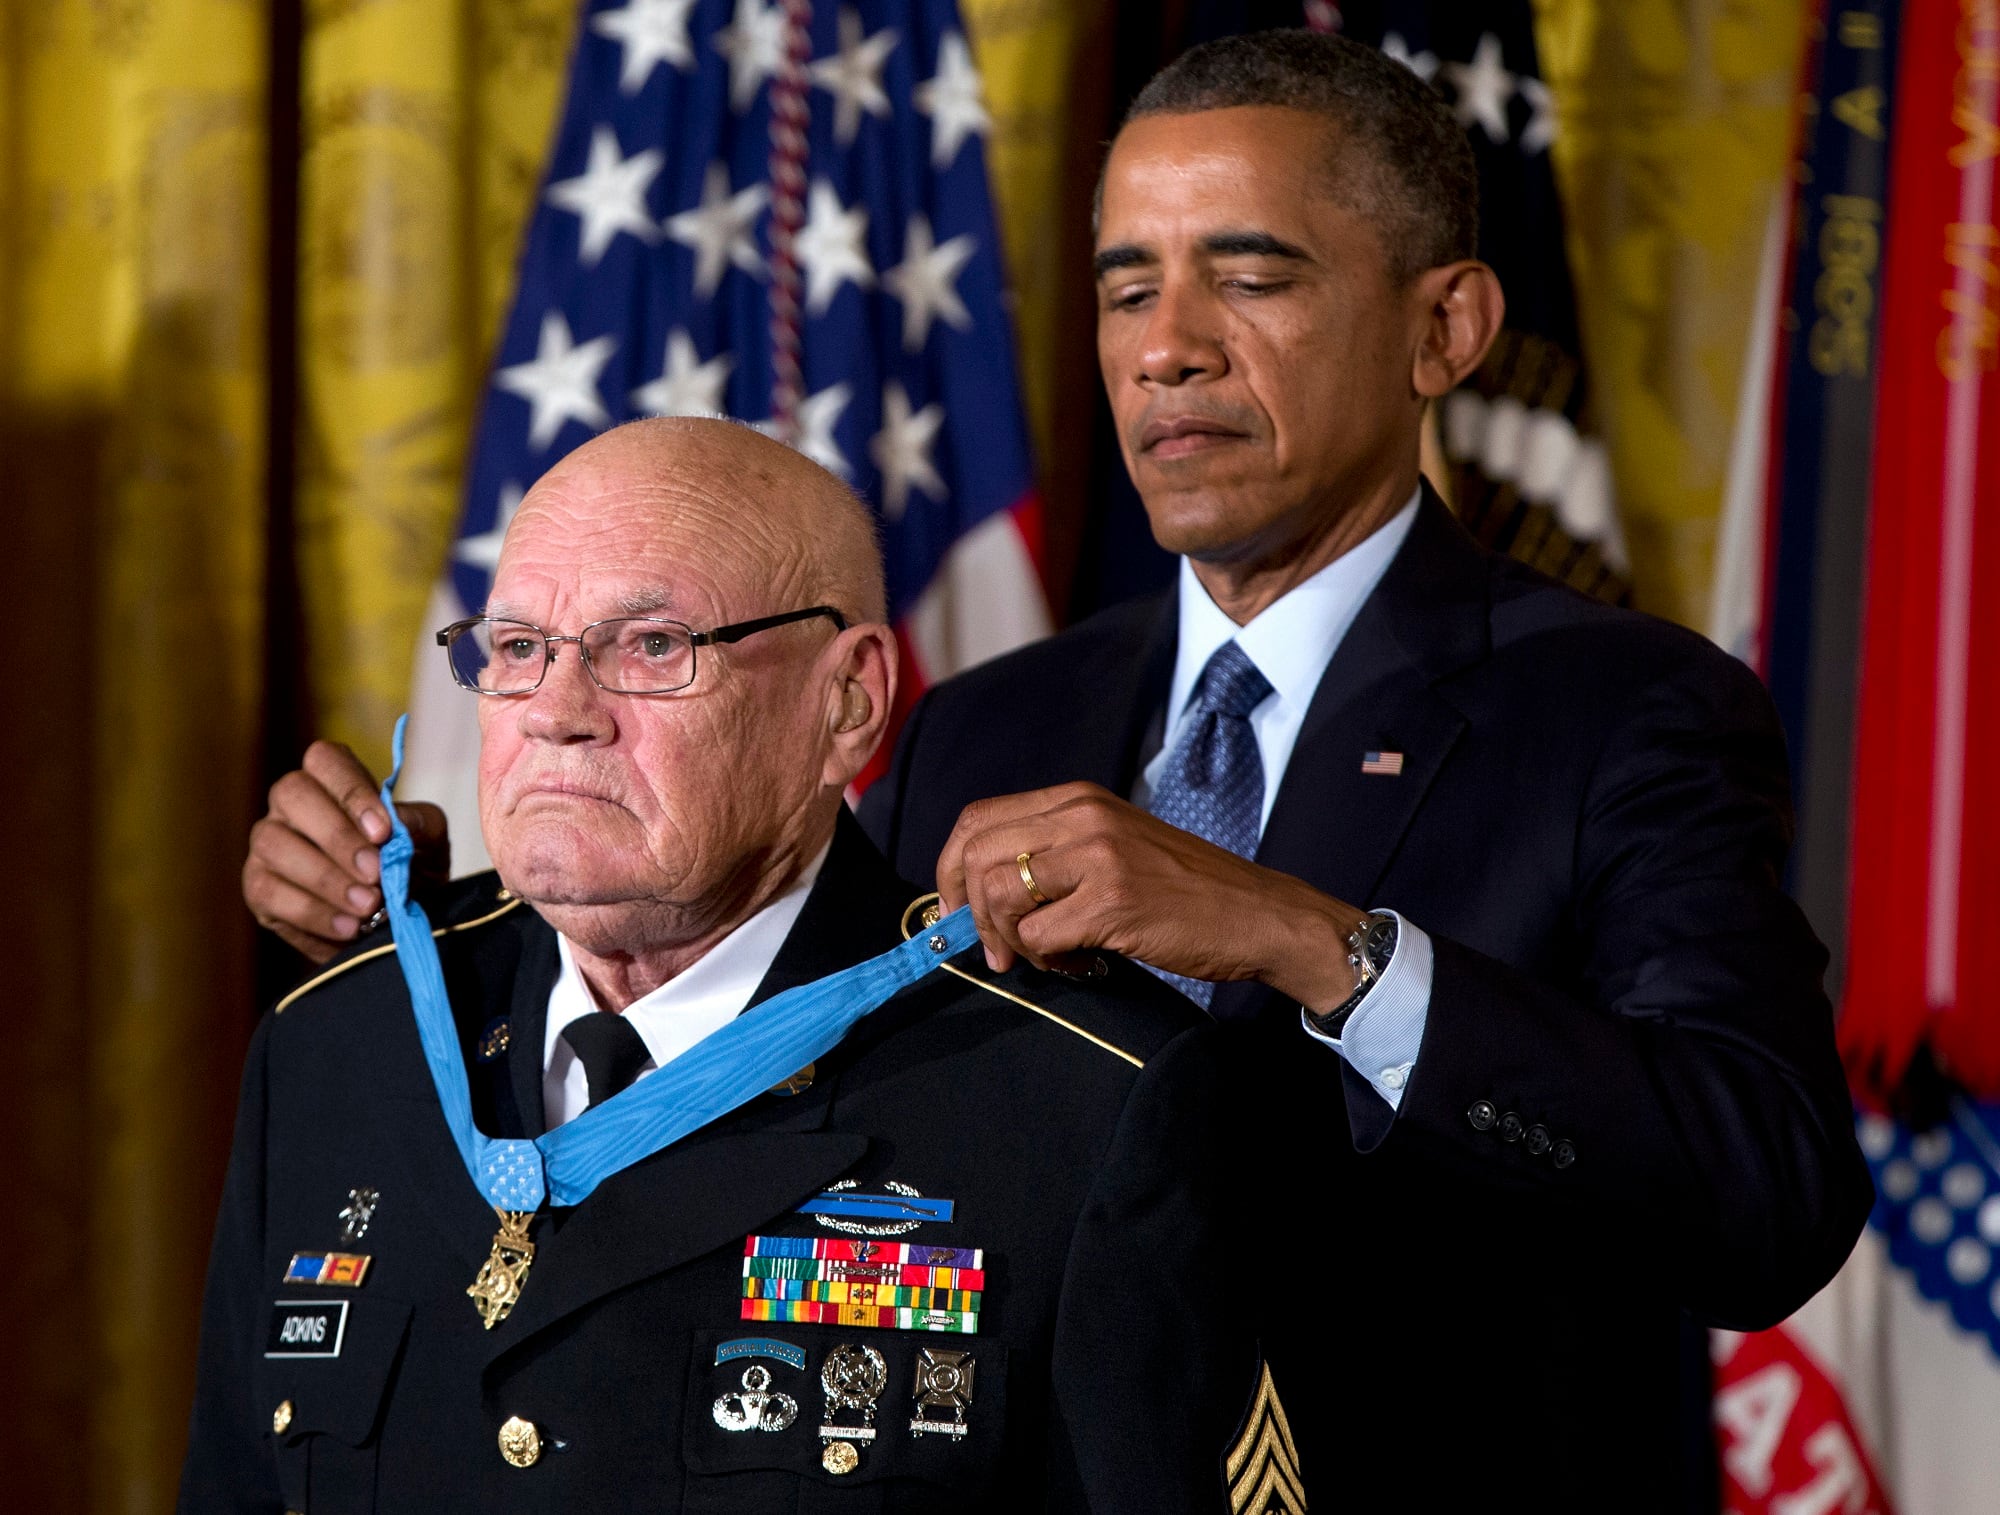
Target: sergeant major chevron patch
1263	1466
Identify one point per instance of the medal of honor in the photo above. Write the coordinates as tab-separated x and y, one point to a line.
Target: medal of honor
498	1285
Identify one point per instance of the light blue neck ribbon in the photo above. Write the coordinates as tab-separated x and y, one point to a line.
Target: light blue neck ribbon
725	1069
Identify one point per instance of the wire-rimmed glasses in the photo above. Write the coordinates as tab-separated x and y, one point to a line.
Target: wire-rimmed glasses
625	655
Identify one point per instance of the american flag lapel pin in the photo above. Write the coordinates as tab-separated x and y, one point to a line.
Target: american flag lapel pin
1390	763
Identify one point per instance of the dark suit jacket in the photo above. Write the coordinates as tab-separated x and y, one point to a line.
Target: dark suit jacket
1072	1124
1627	1100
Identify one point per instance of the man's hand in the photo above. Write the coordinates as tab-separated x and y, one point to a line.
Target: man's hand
1118	878
313	873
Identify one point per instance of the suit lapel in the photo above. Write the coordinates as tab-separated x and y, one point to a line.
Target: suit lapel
1101	741
485	980
850	914
528	1019
1332	825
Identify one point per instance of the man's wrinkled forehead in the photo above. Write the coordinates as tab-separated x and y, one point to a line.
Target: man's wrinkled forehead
624	547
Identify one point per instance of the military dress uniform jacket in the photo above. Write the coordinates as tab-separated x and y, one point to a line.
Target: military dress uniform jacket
1627	1099
1071	1125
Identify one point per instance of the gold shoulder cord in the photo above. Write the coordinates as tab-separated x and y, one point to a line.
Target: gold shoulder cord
359	958
924	911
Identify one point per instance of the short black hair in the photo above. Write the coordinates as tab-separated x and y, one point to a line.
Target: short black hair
1401	157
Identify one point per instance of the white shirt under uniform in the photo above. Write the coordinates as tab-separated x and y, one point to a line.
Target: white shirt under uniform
1291	641
704	998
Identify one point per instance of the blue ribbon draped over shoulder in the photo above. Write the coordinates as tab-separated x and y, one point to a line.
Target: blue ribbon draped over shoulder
731	1066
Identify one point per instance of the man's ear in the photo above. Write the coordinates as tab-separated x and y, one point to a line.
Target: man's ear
861	694
1461	307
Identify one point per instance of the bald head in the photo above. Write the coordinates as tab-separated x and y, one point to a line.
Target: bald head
754	504
642	824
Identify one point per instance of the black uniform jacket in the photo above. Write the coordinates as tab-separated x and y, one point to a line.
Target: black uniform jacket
1071	1123
1627	1098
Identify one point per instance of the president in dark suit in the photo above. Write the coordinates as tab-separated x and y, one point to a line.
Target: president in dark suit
966	1258
1488	874
1493	870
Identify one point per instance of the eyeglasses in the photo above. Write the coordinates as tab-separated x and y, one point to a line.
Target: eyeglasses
629	655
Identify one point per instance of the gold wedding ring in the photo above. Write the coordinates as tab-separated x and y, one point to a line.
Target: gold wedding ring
1028	878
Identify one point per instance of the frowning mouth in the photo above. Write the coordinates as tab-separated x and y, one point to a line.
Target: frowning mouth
560	792
1184	436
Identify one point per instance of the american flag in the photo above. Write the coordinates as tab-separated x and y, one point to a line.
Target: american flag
1390	763
777	212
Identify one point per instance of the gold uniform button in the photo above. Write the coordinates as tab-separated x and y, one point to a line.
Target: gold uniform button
520	1442
840	1457
281	1417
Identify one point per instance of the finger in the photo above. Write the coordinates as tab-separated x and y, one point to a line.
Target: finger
280	854
1002	813
301	802
305	921
353	788
996	890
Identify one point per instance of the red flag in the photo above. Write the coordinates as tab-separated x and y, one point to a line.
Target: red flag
1924	925
1788	1445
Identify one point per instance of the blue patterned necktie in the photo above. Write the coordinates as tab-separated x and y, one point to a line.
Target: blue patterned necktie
1213	784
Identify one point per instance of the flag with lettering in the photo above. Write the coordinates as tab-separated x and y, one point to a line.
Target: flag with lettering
1863	587
775	210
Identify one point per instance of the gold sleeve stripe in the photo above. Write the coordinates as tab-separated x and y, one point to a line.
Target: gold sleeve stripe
923	911
361	957
1263	1466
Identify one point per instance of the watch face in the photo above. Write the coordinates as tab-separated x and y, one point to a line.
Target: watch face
1381	943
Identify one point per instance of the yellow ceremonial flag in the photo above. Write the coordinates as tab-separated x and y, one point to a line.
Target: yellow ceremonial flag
1675	122
131	297
424	126
1046	66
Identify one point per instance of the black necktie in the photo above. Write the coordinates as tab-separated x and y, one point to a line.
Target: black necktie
611	1052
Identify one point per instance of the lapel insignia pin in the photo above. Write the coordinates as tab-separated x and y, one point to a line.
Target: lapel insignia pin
348	1270
360	1211
1387	763
853	1378
944	1382
753	1407
798	1083
498	1285
493	1040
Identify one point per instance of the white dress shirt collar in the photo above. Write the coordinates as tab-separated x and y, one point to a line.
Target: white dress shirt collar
1291	642
702	998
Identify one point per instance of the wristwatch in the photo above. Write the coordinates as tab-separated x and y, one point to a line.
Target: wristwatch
1369	947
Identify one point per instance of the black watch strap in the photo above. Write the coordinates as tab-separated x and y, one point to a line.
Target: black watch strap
1369	951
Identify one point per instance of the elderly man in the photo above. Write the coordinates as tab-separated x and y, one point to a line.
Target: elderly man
959	1261
1492	872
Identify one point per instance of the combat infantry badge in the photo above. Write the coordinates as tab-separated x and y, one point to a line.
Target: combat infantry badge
498	1285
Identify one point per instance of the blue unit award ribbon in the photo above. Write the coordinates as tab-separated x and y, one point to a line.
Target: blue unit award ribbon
725	1069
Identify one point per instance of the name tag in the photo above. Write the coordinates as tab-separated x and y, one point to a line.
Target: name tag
306	1328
